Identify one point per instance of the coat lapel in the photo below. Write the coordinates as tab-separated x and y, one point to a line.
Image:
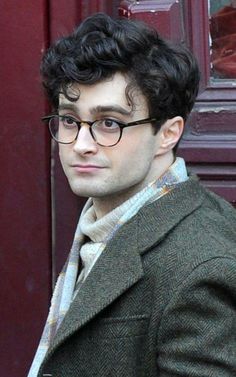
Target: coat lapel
116	270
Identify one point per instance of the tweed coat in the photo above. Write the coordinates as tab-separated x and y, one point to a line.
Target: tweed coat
161	299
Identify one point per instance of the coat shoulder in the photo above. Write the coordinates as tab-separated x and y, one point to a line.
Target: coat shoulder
206	230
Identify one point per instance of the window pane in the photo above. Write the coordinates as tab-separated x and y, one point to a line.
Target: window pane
223	38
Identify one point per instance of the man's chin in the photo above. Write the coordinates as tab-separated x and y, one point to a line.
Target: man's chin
86	192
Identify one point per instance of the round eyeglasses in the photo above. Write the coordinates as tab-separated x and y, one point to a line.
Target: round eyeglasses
106	132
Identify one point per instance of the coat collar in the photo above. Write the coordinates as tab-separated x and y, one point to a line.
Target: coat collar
120	265
157	219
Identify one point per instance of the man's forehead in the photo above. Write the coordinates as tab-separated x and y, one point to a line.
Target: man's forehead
107	95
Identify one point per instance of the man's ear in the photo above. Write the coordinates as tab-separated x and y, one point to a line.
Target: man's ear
169	134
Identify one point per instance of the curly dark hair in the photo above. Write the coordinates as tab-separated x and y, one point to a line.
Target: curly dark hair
166	74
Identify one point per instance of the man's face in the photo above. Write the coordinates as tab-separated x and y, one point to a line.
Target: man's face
114	173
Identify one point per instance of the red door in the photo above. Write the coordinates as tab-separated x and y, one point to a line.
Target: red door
25	222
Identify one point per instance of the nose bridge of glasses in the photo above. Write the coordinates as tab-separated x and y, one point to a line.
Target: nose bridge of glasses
87	123
85	126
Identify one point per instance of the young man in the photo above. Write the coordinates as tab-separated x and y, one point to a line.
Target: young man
149	288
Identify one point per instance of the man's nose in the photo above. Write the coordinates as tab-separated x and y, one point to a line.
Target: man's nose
85	143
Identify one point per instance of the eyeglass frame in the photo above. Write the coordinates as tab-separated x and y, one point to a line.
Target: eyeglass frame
121	125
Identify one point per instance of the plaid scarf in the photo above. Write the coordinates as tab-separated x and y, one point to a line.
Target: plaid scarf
64	289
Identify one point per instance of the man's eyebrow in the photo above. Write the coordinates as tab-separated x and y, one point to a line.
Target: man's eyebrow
97	109
67	106
110	108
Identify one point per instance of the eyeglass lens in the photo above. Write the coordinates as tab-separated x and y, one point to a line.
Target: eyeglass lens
65	130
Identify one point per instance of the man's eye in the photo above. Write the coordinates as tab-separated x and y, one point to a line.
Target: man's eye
109	124
68	121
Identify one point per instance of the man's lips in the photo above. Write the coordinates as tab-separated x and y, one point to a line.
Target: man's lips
87	168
